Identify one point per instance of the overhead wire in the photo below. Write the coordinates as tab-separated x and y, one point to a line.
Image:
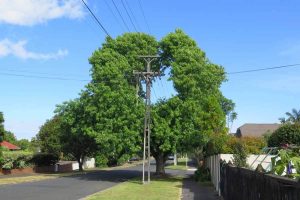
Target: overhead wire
263	69
130	19
120	15
111	11
97	20
154	92
132	14
42	73
43	77
125	76
144	16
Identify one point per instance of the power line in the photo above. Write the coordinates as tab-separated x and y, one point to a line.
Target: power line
125	76
116	7
143	13
130	19
43	77
263	69
97	20
154	93
131	12
110	9
42	73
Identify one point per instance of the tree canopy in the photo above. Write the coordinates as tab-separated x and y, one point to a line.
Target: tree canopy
49	136
2	130
110	110
286	134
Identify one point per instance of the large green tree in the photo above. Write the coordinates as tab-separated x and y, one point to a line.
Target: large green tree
49	136
111	100
197	82
74	131
110	109
165	131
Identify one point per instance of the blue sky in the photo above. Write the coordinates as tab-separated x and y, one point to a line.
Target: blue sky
55	38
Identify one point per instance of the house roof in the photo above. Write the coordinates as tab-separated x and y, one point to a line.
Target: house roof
255	130
10	146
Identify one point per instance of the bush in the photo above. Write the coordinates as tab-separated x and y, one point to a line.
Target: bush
15	159
123	159
286	134
240	155
101	160
252	145
44	159
202	174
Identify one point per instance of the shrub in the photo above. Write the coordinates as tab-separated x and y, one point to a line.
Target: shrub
252	145
240	155
101	160
202	174
44	159
16	159
123	159
286	134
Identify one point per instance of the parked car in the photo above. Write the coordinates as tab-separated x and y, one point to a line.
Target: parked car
133	159
171	157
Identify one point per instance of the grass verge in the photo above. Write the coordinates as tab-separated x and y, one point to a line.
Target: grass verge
31	178
39	177
168	188
181	165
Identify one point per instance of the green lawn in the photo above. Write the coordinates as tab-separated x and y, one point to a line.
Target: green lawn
168	188
181	165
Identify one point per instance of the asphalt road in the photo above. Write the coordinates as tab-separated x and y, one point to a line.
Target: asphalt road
72	187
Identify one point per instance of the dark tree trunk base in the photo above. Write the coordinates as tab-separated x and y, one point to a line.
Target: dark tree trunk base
160	165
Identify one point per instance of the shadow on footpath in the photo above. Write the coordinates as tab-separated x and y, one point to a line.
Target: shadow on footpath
192	190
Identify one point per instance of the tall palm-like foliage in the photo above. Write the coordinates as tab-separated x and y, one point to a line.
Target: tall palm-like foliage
292	117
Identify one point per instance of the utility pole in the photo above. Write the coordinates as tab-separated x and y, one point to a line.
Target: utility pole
147	76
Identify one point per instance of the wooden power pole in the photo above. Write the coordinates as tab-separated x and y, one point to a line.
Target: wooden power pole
147	76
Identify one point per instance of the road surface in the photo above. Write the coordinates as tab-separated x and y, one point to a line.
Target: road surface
72	187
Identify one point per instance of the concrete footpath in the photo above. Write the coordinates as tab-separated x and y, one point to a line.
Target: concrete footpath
192	190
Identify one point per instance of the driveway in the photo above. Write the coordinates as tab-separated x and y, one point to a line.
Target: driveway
72	187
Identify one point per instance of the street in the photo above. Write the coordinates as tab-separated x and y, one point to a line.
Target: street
72	187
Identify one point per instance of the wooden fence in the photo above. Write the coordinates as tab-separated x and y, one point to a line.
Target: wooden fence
244	184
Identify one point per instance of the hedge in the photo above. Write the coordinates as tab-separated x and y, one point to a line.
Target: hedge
15	159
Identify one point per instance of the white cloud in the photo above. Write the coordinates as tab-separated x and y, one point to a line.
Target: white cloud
31	12
18	49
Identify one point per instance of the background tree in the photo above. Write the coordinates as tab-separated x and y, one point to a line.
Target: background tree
252	145
25	144
197	82
286	134
164	135
74	128
2	130
49	136
292	117
10	137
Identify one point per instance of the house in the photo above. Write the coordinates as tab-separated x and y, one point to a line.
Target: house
255	130
9	146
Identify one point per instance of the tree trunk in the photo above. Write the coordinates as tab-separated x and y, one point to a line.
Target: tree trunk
80	163
160	164
80	166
